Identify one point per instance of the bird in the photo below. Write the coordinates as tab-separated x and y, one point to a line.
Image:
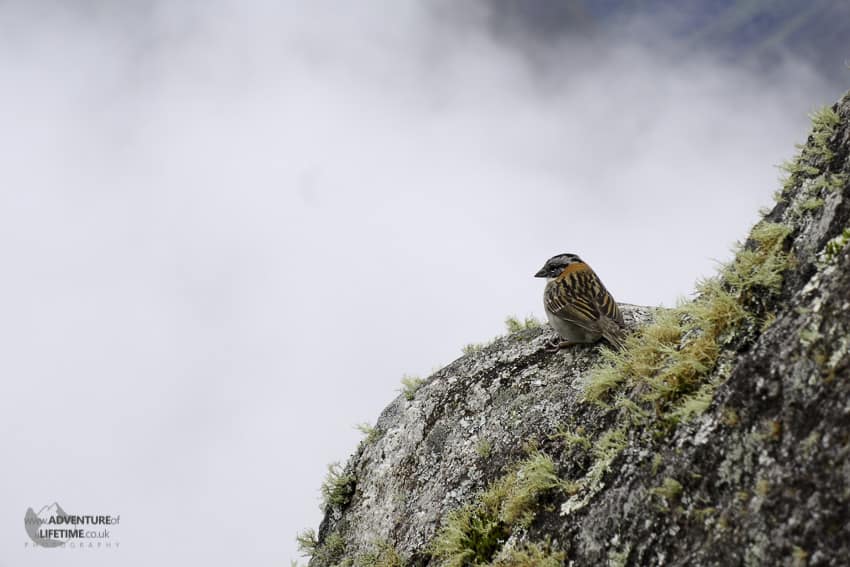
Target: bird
577	304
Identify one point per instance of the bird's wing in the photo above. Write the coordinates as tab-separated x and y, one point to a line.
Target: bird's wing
567	302
580	297
608	306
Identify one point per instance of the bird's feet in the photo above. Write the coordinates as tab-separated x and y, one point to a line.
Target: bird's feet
554	345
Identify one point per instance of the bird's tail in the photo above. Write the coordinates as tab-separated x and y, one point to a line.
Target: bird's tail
613	333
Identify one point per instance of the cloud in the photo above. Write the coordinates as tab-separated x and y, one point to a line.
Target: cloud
229	228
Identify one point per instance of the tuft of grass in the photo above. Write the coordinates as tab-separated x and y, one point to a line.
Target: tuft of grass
703	514
834	247
572	437
824	122
670	490
338	487
530	555
472	535
370	432
796	169
665	365
765	261
695	404
382	554
329	552
656	463
515	325
472	348
475	533
826	182
609	445
811	204
410	385
814	155
484	448
535	475
307	542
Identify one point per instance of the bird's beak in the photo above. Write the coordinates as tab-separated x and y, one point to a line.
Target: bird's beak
541	273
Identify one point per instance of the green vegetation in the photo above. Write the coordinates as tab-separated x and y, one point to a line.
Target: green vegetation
329	552
307	542
475	533
530	555
370	432
483	448
808	170
609	445
383	554
515	325
703	514
811	204
824	122
814	155
338	487
472	348
332	552
809	336
694	404
572	437
834	247
410	385
670	490
664	368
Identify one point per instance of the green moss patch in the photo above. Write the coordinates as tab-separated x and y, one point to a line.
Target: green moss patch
475	533
664	369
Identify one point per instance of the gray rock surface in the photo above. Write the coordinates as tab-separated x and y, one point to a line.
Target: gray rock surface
761	476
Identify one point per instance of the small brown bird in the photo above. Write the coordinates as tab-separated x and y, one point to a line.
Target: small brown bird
577	304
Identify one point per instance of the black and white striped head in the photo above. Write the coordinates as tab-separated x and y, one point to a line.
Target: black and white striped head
556	264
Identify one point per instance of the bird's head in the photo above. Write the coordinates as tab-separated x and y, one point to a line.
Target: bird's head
556	264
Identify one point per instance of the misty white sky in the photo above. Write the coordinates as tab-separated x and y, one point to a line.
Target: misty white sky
227	229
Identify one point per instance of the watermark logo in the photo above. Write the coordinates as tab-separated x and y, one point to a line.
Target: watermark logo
51	526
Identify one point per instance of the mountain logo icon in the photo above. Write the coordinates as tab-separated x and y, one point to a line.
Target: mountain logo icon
33	522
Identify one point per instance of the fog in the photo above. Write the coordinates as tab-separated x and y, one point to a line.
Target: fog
228	228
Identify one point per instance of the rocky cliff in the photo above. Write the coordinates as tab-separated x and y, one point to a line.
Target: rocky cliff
720	436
